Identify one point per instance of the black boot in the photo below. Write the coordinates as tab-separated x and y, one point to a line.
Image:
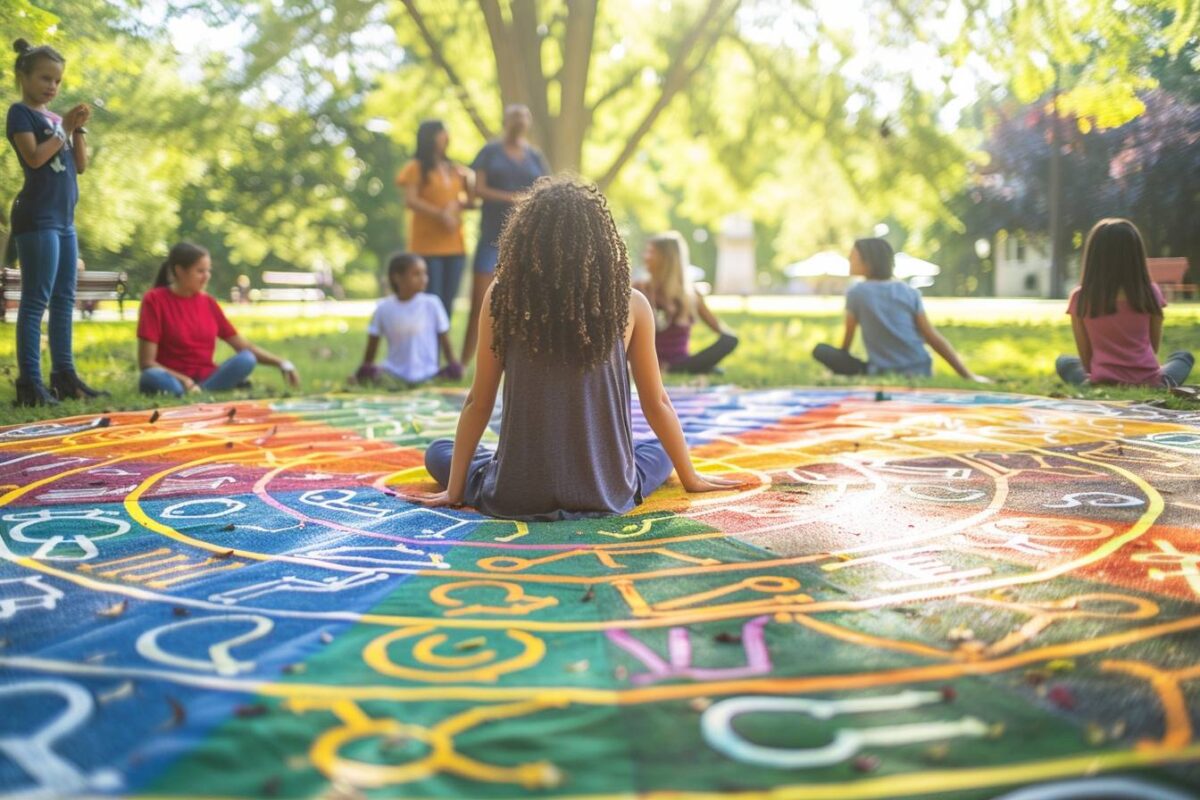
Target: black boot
31	392
66	385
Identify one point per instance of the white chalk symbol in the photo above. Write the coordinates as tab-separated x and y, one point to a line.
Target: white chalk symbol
219	660
717	727
53	775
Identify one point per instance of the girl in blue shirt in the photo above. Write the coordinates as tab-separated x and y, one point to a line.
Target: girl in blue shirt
892	317
52	151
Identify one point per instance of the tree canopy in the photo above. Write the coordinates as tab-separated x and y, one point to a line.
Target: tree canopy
277	146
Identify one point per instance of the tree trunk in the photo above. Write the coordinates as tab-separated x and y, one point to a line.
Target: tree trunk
573	114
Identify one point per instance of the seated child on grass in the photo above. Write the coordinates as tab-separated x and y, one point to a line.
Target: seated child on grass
895	328
677	305
1116	315
563	327
414	324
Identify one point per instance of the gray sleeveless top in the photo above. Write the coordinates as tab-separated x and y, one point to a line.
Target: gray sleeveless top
566	442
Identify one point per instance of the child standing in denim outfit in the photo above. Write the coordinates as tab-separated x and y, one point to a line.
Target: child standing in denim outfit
52	151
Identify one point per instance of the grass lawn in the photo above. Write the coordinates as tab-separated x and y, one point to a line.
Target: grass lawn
1012	341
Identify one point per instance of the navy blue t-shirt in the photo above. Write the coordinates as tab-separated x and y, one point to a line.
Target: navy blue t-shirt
508	176
47	200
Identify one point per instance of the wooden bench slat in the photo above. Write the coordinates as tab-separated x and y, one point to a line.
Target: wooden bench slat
90	285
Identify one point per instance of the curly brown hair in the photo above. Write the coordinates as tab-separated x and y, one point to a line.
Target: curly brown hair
562	281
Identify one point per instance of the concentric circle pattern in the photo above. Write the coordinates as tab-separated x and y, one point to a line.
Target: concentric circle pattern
913	595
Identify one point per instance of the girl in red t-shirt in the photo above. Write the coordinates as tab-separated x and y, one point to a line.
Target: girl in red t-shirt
178	327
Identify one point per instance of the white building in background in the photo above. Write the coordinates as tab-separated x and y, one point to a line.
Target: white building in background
736	271
1023	265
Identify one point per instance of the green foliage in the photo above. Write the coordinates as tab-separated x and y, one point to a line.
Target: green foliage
277	146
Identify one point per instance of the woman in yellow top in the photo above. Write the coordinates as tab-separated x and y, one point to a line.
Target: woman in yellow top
436	190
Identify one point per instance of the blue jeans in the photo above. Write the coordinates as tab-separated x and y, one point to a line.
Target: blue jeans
236	369
486	258
48	259
445	273
652	463
1175	369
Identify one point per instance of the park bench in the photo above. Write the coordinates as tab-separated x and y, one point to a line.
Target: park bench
1168	273
90	286
291	287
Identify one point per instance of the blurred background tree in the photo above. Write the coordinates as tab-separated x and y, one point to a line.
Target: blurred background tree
271	132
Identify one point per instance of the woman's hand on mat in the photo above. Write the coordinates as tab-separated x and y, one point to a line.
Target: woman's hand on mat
710	483
290	374
440	499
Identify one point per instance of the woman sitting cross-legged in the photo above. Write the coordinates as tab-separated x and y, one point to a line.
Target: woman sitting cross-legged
178	327
677	304
895	328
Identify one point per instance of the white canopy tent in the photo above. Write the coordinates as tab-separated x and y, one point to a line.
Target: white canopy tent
830	264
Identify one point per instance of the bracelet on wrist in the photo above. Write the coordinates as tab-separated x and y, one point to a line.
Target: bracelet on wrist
286	366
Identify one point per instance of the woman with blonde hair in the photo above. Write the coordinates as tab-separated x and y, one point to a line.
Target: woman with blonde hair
677	304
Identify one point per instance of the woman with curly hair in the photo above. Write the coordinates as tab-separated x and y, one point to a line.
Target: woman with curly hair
560	322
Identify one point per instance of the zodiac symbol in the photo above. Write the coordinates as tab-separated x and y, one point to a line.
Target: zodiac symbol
943	494
53	774
290	583
514	595
761	584
219	660
1044	614
480	665
605	557
47	546
186	510
679	651
442	757
47	598
1188	563
718	730
1098	500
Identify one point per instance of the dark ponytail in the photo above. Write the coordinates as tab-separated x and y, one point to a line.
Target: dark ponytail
183	255
28	56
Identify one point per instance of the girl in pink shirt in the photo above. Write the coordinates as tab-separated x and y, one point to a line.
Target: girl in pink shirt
1116	315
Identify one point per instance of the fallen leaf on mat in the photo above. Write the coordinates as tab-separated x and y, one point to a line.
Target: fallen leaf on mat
250	710
866	763
119	693
221	556
1062	697
178	715
115	610
471	644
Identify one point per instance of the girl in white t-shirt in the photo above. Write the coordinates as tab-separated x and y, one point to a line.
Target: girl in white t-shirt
415	326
